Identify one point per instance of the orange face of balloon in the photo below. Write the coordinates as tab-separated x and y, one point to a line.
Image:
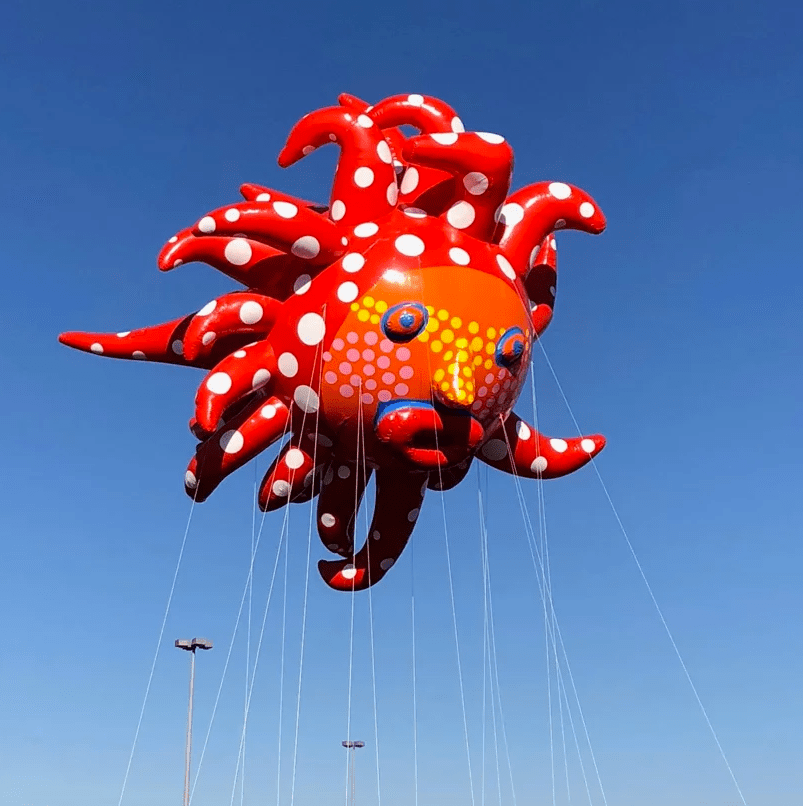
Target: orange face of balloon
418	342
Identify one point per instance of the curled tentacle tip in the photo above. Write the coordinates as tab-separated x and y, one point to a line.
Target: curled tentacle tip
598	440
170	254
341	575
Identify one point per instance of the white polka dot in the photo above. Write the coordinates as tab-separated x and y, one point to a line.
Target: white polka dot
307	150
366	230
352	262
559	445
327	519
306	247
306	399
239	354
238	252
349	572
415	100
383	152
587	209
263	197
330	474
409	181
173	239
493	139
251	312
123	334
347	292
338	210
414	212
444	138
392	194
285	209
507	269
387	564
510	214
376	535
219	383
539	464
232	214
560	223
344	471
560	190
457	125
552	243
461	215
364	121
333	547
494	450
281	489
288	365
294	458
333	137
190	482
302	284
475	183
523	430
261	377
311	328
588	445
232	442
208	338
410	245
363	177
207	224
459	256
208	308
177	347
268	411
138	354
534	255
412	515
97	347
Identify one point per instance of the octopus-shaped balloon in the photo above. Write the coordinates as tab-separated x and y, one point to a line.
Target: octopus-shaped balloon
388	333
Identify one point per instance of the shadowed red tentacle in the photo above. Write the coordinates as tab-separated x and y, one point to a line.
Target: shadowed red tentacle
288	476
541	283
534	455
398	502
449	477
481	163
341	494
233	378
364	187
531	213
253	192
244	436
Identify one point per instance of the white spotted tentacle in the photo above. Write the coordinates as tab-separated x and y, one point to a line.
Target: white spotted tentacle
341	494
286	478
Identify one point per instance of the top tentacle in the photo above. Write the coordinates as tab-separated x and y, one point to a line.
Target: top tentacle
364	187
425	113
531	213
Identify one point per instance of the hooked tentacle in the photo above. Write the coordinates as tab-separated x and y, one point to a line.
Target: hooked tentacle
253	192
534	455
341	494
235	377
481	163
234	444
531	213
241	312
364	186
449	477
398	503
288	476
541	284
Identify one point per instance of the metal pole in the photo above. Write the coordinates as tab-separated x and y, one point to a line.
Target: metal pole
189	733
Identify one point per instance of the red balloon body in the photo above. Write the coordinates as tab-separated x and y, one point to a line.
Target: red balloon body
388	332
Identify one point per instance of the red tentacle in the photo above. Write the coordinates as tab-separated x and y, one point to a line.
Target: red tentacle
482	164
365	186
290	474
341	495
449	477
242	313
425	113
534	455
234	444
398	502
541	283
236	376
531	213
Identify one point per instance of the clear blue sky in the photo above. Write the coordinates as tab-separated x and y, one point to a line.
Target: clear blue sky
677	334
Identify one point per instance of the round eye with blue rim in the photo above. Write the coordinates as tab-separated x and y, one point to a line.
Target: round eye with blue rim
510	349
405	321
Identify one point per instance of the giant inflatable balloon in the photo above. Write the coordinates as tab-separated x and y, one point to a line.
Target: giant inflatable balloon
389	332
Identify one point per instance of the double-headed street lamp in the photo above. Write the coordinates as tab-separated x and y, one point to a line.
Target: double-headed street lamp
190	645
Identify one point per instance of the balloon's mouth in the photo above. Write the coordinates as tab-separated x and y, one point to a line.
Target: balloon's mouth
426	435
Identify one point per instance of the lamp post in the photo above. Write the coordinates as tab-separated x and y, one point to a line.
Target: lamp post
190	645
351	747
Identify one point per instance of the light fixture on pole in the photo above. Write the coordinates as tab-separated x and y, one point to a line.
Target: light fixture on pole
190	645
351	747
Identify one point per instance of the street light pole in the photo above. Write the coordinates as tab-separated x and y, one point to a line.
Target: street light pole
190	645
351	747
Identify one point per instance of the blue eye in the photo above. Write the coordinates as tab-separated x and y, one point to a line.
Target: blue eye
405	321
510	349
